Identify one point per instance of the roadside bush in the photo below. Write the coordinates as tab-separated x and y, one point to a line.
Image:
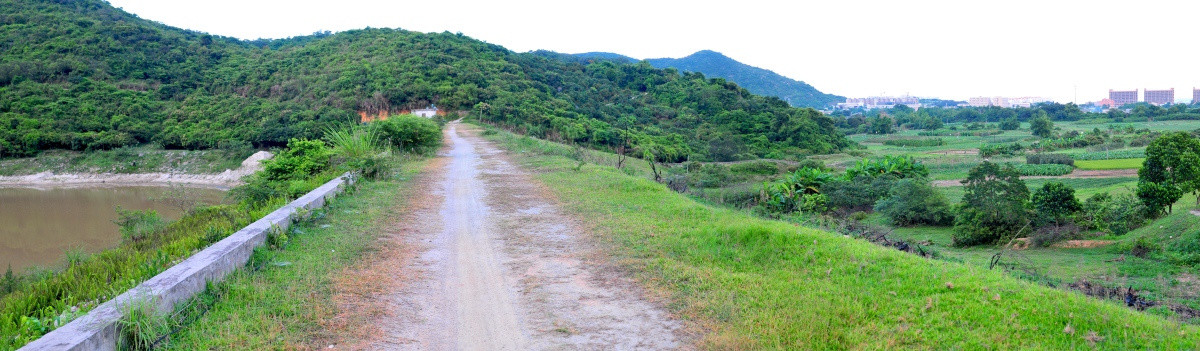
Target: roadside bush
1039	159
411	132
913	201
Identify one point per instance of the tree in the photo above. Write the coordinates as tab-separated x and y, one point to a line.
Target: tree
1010	124
995	205
1158	197
1055	201
913	201
1041	125
1173	163
881	125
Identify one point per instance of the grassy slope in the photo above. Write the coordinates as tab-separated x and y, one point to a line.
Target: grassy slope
287	304
757	283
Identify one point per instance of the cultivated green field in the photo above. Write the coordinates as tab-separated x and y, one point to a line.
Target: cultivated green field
1120	163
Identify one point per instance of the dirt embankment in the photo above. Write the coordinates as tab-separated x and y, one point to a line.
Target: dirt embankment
486	260
223	180
1077	174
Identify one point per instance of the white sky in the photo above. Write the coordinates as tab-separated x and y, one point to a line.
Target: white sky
947	49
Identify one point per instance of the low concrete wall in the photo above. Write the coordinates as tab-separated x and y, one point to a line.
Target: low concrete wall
98	329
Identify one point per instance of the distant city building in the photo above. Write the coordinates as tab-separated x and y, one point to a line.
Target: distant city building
1160	97
880	102
1005	101
1195	96
1123	97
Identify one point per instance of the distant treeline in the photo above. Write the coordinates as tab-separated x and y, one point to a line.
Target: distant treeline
931	118
82	75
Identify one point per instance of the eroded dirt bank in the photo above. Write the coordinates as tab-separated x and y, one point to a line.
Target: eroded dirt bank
486	260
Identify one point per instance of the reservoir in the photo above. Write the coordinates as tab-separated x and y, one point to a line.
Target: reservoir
39	226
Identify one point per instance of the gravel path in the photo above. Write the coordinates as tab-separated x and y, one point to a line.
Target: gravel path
489	262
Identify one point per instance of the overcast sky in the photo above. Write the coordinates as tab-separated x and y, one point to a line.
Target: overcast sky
948	49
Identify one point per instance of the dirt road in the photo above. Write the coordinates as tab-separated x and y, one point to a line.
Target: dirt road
489	262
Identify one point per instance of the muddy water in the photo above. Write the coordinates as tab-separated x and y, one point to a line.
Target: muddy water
38	227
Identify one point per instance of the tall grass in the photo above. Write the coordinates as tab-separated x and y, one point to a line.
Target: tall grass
355	142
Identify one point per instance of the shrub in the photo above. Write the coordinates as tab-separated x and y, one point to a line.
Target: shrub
411	132
856	194
711	176
1038	159
137	225
1010	124
301	159
1055	201
1116	215
755	167
914	201
1051	234
1001	150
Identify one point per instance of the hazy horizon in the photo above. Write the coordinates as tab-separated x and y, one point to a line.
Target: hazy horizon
941	49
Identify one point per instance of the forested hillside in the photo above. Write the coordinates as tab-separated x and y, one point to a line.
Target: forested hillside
757	80
82	75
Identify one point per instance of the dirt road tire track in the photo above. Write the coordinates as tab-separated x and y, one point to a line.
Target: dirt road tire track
486	260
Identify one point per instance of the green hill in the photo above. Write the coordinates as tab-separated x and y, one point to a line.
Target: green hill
756	80
82	75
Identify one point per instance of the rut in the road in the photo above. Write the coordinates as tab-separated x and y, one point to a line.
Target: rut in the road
486	260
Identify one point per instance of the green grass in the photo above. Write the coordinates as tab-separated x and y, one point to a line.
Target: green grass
283	305
1122	163
752	283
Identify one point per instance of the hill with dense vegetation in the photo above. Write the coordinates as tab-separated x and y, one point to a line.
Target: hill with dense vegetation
714	64
756	80
82	75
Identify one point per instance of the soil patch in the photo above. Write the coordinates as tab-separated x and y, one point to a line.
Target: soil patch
1082	244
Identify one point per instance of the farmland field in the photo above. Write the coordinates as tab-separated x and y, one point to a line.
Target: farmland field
1120	163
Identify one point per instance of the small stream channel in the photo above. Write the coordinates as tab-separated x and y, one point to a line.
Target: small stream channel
39	226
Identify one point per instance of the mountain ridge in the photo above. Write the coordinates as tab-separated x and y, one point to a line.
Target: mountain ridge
757	80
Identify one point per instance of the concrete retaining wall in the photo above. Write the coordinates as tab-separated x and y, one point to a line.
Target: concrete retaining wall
98	329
